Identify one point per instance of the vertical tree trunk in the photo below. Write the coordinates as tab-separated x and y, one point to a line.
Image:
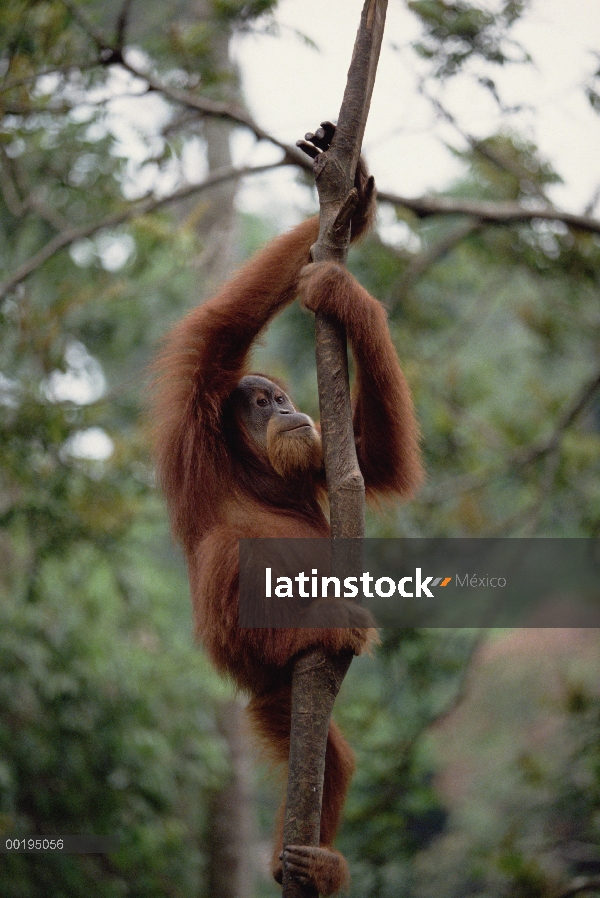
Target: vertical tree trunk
231	836
318	677
217	221
230	821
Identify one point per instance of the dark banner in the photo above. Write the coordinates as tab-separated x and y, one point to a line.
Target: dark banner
420	583
59	844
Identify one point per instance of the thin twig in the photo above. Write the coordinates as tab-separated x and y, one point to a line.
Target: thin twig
141	207
97	36
570	413
122	23
483	149
55	70
464	681
422	262
521	457
219	109
593	202
531	518
65	108
582	884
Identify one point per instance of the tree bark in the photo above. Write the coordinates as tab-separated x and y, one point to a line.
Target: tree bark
316	682
317	677
230	832
216	221
334	173
231	836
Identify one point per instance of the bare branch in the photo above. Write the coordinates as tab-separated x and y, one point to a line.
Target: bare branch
110	53
531	518
593	202
334	172
490	212
582	884
98	37
55	70
14	186
422	262
219	109
464	681
486	151
134	210
316	682
122	23
570	413
63	108
23	111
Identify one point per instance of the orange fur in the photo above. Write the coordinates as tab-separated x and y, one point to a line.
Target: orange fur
390	459
220	488
294	453
323	868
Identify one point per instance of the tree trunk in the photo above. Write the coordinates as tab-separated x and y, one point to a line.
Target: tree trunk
231	837
317	677
216	220
230	820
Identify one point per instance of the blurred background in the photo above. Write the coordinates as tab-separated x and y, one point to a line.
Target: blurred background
146	149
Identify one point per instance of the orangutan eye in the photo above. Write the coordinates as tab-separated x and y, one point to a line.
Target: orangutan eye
279	399
262	402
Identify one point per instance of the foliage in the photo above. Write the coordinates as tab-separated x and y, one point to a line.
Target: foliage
591	88
387	703
456	33
107	711
520	765
106	727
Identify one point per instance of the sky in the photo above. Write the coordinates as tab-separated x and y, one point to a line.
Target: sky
291	87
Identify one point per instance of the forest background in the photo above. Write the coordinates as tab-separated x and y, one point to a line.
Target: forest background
133	180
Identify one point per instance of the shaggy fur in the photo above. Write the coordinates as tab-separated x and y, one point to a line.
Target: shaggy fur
220	488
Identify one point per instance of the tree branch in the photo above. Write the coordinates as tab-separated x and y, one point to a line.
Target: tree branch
486	151
113	53
97	36
315	684
521	457
423	207
52	70
582	884
334	172
317	676
141	207
422	262
570	413
122	23
219	109
490	212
